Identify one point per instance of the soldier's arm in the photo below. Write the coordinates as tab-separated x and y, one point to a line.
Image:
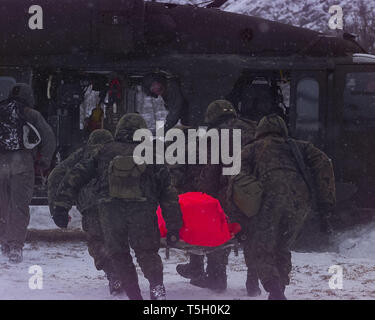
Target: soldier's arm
247	160
47	146
57	174
69	188
168	200
322	171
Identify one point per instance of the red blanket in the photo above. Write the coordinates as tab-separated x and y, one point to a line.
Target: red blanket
205	223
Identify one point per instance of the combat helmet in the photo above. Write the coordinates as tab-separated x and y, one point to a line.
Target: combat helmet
271	124
128	124
100	136
218	110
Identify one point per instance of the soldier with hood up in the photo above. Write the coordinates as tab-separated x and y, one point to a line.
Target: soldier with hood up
86	204
23	133
220	114
128	196
286	200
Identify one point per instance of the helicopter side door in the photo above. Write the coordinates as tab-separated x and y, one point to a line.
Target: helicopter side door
354	129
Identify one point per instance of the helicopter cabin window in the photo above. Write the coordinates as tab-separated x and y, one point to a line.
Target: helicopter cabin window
359	100
307	122
6	83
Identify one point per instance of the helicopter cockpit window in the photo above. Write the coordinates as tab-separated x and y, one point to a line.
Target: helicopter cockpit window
6	83
307	123
359	100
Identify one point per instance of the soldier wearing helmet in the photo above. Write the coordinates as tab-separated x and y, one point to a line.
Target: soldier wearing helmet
220	114
128	195
286	199
86	203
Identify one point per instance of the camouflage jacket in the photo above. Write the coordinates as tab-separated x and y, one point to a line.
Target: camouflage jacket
155	182
212	181
270	159
85	198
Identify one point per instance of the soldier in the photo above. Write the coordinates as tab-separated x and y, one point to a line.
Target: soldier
86	204
155	85
286	200
220	114
128	196
17	119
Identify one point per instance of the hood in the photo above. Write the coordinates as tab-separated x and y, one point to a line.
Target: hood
100	136
271	124
127	125
219	111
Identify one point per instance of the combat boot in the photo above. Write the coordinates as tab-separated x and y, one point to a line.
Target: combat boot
157	292
217	283
5	250
15	255
193	269
252	287
115	284
276	291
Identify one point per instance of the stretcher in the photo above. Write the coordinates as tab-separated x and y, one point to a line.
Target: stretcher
205	225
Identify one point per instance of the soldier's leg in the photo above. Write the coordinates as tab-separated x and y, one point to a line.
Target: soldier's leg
115	231
95	239
215	277
144	237
21	192
252	280
284	263
217	269
193	269
290	226
267	226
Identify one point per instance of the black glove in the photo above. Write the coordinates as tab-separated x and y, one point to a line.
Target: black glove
173	237
61	217
241	236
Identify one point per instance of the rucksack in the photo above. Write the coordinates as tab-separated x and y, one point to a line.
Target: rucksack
124	178
246	192
12	121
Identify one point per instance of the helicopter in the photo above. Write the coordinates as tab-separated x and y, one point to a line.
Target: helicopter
325	83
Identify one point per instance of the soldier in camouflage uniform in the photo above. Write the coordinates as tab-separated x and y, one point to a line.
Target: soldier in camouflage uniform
286	200
128	195
185	178
220	114
86	203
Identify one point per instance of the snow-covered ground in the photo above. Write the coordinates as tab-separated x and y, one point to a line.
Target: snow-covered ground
69	273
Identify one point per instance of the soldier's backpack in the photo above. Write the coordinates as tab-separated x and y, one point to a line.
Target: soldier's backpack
124	176
246	193
12	122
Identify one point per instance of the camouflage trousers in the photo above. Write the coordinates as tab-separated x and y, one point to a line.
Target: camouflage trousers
275	229
95	239
132	225
16	191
